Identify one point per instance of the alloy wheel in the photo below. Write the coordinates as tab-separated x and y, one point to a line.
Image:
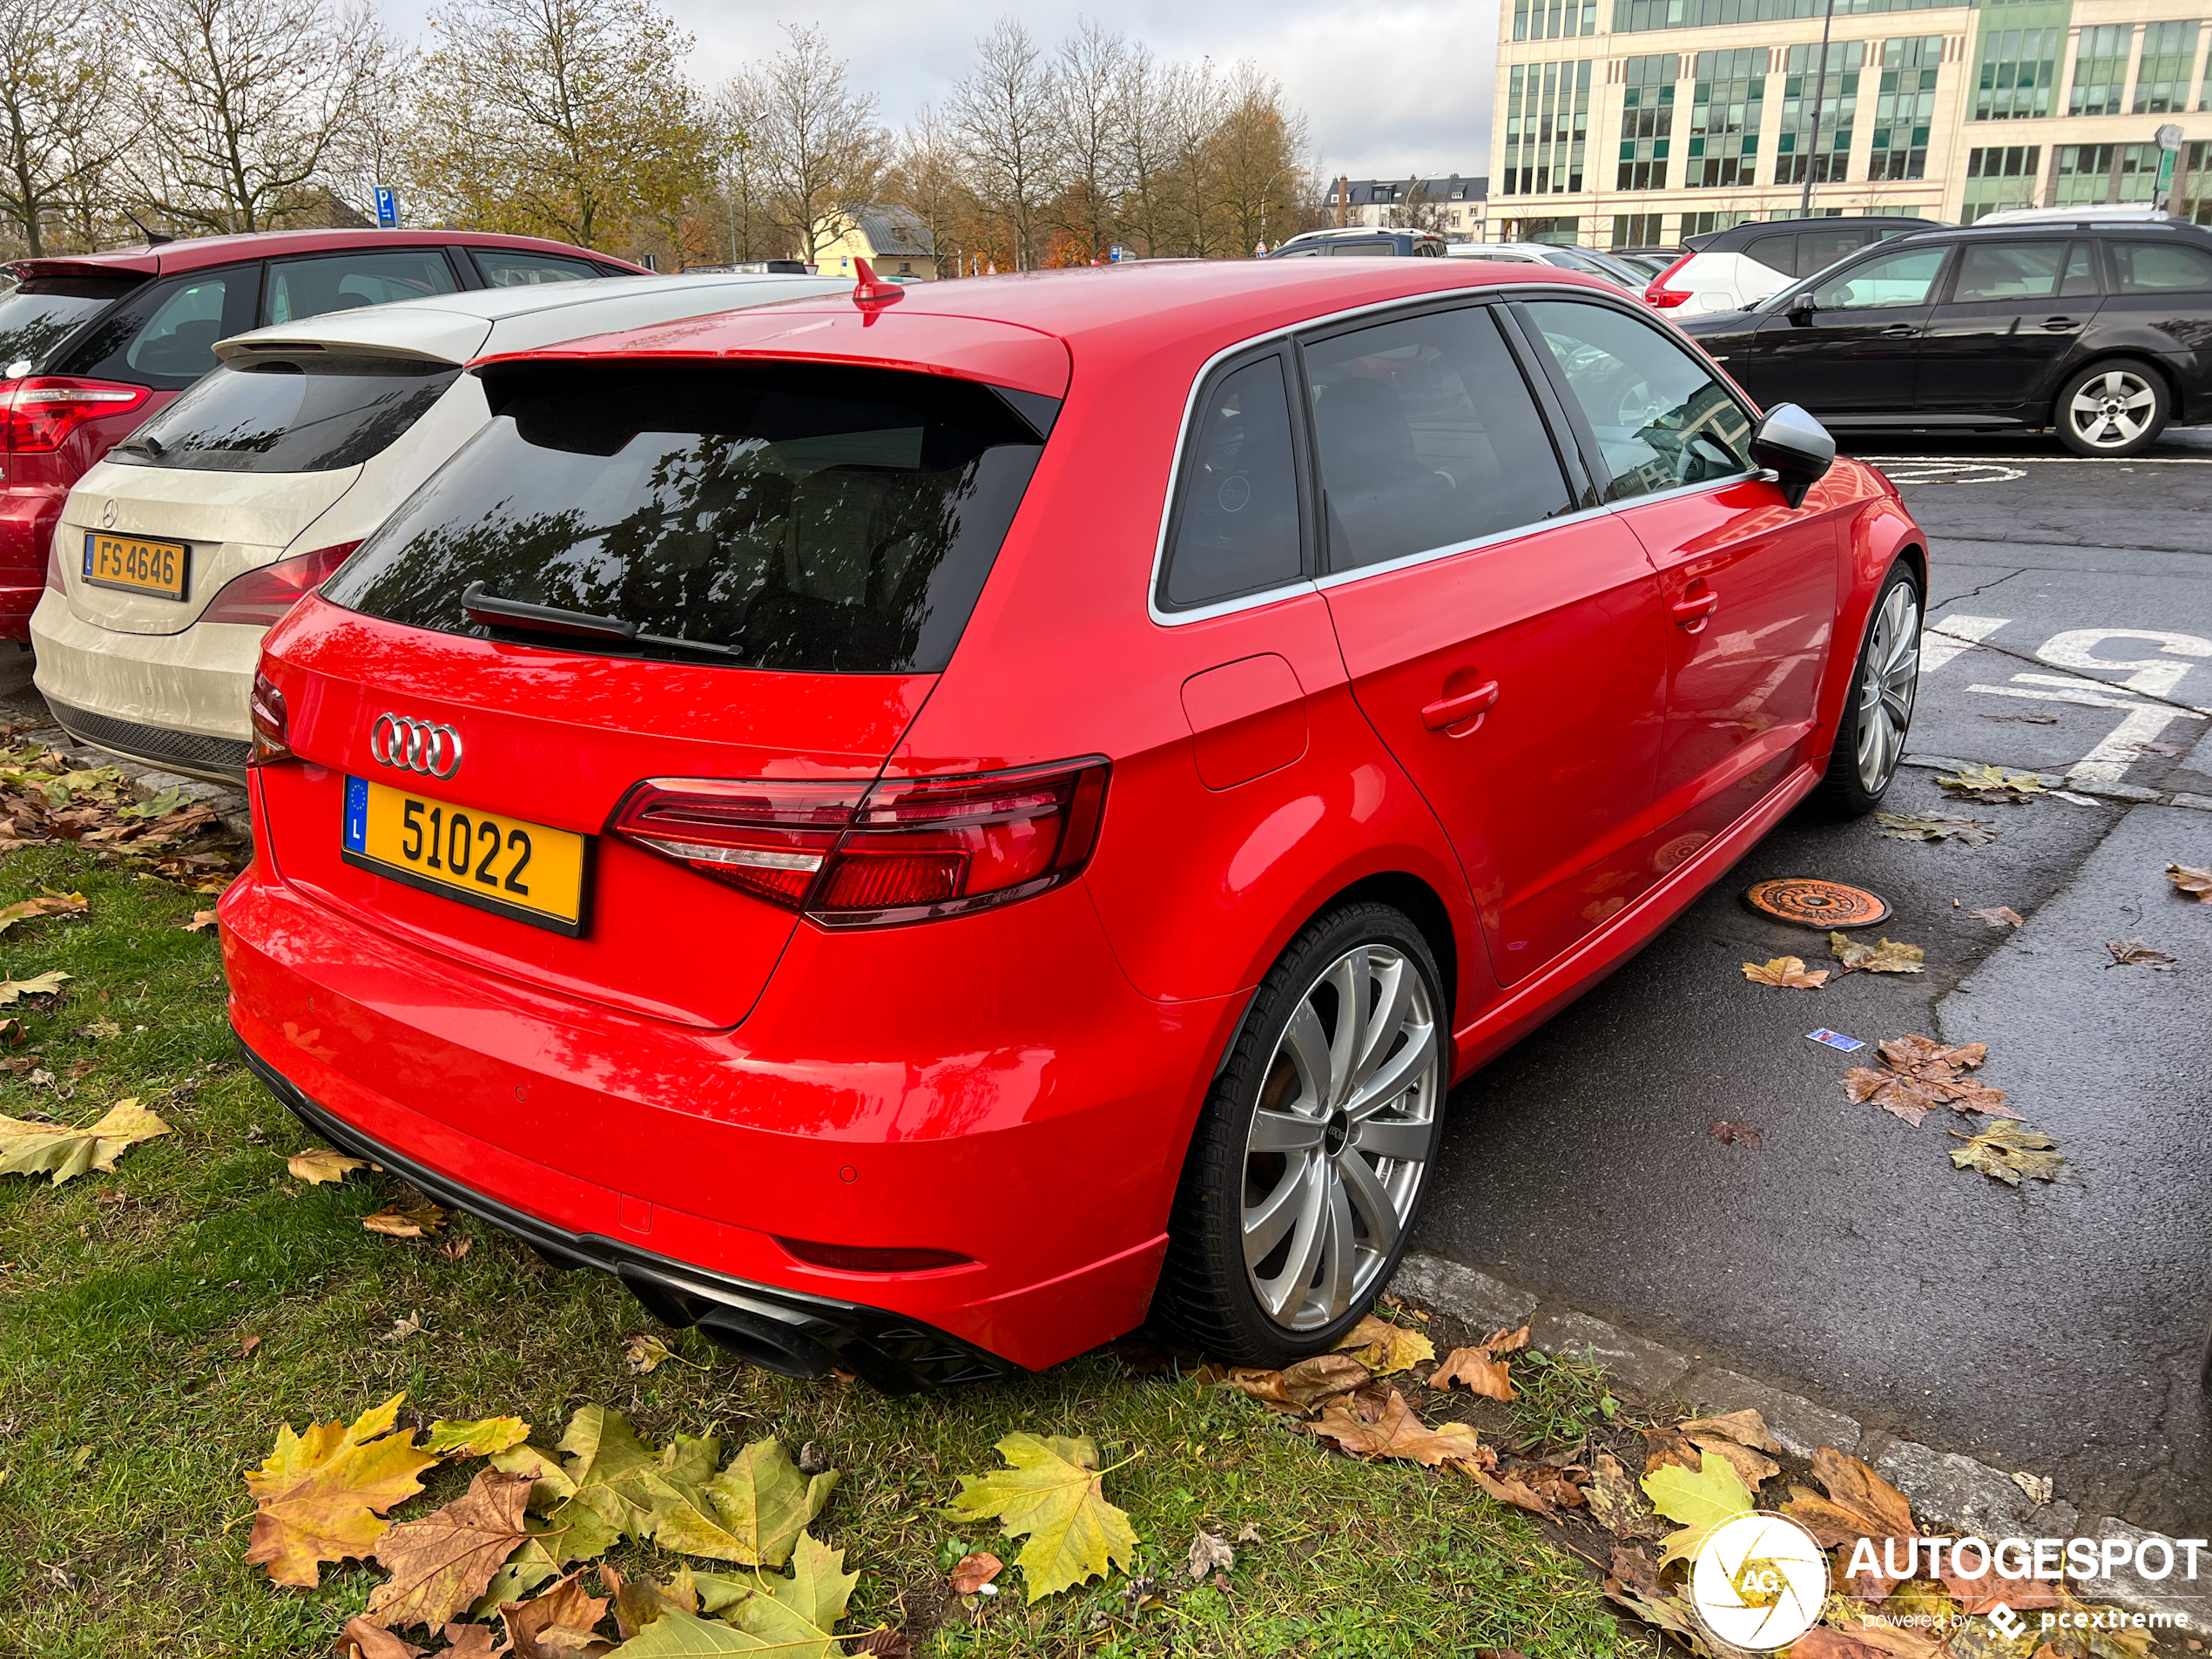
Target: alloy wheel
1340	1142
1887	683
2111	410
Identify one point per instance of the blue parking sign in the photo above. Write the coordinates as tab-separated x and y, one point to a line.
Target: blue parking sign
388	208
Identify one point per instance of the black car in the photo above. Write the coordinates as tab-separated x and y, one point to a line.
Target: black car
2101	331
1361	242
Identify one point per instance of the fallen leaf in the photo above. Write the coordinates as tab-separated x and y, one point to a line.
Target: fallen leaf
884	1644
1920	1075
752	1513
405	1223
47	984
798	1615
2146	747
686	1635
62	1153
1934	827
1987	1589
363	1638
1729	1133
1698	1500
1745	1427
99	1029
642	1354
1389	1429
1301	1387
1866	1641
2001	915
2129	952
479	1437
440	1563
1859	1504
1634	1582
2196	883
1991	784
2037	1486
411	1326
319	1164
560	1622
1788	971
974	1572
471	1641
2026	720
2008	1150
1618	1503
52	904
1473	1366
247	1344
1209	1552
318	1496
200	919
454	1248
1055	1493
1886	957
1752	1467
1386	1349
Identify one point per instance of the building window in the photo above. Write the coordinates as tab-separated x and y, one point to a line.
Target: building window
1639	230
2091	175
1554	19
1726	101
1638	17
2192	198
1646	120
1705	224
2100	68
1904	108
2017	69
2000	176
1819	103
2169	63
1548	122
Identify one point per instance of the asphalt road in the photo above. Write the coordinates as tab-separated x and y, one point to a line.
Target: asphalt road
2053	1329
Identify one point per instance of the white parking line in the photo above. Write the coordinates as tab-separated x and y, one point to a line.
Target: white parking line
1953	637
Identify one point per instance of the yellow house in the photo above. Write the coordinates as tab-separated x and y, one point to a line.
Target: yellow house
896	244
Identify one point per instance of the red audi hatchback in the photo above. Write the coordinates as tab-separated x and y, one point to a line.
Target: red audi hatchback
922	833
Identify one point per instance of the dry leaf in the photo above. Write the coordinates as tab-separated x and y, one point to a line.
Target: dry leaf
1894	1094
247	1344
52	904
405	1223
1301	1387
1619	1505
1473	1366
319	1164
363	1638
1859	1504
1209	1553
557	1624
1056	1495
61	1153
1749	1465
454	1248
1745	1427
1788	971
2007	1151
2001	915
440	1563
1991	784
883	1644
1934	827
1866	1642
48	984
974	1572
1729	1133
1391	1430
200	919
1386	1349
2195	883
1920	1075
1634	1582
481	1436
1886	957
1699	1499
471	1641
411	1326
2037	1486
1986	1588
2129	953
642	1354
319	1495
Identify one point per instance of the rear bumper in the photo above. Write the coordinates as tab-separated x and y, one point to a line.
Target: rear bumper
794	1334
177	700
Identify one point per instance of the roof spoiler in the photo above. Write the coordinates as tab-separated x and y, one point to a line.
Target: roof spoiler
1696	244
145	264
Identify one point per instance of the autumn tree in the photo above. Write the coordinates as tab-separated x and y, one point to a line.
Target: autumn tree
60	128
1004	110
567	118
926	177
814	143
1256	166
1091	95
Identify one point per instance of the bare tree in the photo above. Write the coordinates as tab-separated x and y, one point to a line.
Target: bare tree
926	180
817	143
60	127
1145	150
1003	111
246	102
1256	158
1193	101
1092	67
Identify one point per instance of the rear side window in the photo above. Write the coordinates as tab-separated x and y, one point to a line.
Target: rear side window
1236	526
1428	437
1817	250
1361	250
2161	267
2007	271
331	282
39	314
827	520
510	268
305	416
1778	252
165	334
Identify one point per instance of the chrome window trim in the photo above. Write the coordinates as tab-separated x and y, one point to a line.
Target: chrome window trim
1406	561
1288	333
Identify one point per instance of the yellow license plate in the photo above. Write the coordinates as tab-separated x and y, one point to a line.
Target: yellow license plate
508	866
137	565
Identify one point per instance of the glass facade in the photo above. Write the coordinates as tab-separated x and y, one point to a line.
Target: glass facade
1554	19
1819	104
2016	70
2100	68
1547	128
2092	175
1639	230
1646	120
1903	107
1727	100
2162	79
2000	176
1636	16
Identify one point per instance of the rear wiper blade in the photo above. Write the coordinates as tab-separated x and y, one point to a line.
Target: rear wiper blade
152	448
495	610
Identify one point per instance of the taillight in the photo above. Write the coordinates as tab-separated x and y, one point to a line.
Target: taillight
1661	295
905	850
42	411
271	720
262	597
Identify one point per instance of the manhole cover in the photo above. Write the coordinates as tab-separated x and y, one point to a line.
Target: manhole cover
1810	903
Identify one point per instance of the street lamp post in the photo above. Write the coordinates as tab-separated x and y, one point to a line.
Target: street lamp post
1819	97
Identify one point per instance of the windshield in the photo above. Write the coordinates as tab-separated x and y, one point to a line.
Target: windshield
831	520
304	415
37	314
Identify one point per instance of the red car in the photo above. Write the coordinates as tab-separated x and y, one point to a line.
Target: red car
92	344
920	834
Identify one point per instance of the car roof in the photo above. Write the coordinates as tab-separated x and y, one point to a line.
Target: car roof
1736	236
1331	232
454	328
192	253
1020	331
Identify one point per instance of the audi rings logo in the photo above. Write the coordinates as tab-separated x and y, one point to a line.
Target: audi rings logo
414	746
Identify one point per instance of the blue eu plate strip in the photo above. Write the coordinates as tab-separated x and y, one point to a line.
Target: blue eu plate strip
357	815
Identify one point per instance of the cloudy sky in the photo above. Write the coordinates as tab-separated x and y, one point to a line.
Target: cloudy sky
1391	87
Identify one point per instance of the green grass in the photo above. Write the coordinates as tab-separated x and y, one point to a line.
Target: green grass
1560	1401
128	1412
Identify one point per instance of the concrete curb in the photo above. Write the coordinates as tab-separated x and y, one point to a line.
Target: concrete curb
1946	1489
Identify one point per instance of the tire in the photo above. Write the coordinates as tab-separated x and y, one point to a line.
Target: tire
1877	713
2116	407
1331	1209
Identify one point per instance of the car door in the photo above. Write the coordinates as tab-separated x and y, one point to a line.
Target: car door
1849	343
1504	641
1747	584
2014	310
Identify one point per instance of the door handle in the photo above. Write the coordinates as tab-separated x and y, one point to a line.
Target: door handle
1901	331
1694	611
2060	325
1457	710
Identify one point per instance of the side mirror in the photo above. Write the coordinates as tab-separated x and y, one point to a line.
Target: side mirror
1797	449
1801	304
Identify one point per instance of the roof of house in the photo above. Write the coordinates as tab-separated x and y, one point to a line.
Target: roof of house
896	230
1361	193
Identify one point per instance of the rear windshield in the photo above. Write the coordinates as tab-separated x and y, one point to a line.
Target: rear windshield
827	520
304	414
37	314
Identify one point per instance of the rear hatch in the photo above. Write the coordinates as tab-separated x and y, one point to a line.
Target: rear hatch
229	475
716	574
